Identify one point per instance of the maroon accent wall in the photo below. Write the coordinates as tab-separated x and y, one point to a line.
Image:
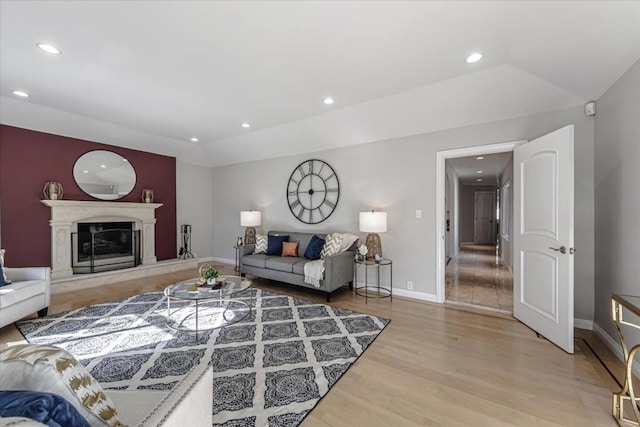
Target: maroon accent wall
28	159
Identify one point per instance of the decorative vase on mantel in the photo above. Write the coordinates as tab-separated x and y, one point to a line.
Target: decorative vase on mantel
53	190
147	195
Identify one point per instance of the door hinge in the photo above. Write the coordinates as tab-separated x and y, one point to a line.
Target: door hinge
572	251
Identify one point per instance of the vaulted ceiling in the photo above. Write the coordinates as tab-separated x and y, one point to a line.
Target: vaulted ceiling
152	74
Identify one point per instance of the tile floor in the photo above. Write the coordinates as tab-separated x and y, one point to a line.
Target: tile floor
478	277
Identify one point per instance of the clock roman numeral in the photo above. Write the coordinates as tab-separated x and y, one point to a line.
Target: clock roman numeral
295	204
293	193
310	166
332	190
302	209
321	213
330	204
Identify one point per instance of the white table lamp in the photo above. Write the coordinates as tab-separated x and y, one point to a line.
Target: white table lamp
250	219
373	223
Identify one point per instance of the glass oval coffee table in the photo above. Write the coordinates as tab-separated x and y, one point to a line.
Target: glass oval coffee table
197	309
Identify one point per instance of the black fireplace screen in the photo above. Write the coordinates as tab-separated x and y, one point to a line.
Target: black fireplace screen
105	246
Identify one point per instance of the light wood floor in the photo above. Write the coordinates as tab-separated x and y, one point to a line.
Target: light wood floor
436	366
477	276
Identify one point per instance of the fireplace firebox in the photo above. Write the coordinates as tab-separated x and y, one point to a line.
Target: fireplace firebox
105	246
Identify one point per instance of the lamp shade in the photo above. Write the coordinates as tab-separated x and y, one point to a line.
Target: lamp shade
249	218
373	222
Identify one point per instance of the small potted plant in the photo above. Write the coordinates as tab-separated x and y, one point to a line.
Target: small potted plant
210	275
361	251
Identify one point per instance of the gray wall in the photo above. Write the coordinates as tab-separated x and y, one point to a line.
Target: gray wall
467	210
194	205
398	176
506	250
617	196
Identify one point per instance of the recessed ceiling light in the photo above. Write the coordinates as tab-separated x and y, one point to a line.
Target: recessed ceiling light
480	157
246	125
103	166
49	48
21	94
85	171
478	171
328	101
194	139
474	57
478	179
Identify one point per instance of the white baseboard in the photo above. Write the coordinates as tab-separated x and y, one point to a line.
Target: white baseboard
615	346
415	295
205	259
583	324
223	260
409	294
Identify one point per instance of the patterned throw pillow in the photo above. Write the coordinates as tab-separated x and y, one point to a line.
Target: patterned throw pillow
331	245
4	277
53	370
290	248
261	244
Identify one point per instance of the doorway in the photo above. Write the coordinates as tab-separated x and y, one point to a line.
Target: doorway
477	274
460	240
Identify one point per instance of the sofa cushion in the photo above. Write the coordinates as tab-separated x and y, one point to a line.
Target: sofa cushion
20	291
283	263
4	273
290	248
261	244
298	267
314	248
274	245
331	246
255	260
2	281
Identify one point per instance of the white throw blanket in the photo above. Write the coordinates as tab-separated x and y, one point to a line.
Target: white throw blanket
314	272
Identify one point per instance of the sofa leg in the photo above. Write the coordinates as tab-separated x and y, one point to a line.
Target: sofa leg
43	312
351	285
328	296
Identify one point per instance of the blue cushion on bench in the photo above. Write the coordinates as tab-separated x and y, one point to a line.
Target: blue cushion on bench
46	408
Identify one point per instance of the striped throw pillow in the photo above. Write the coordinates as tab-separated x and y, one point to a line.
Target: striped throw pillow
331	245
261	244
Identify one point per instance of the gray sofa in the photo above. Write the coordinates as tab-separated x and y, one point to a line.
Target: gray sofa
338	268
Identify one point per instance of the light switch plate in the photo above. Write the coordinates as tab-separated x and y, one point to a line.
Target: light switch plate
418	213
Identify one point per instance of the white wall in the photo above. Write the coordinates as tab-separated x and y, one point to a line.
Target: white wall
506	250
398	176
617	196
454	210
194	205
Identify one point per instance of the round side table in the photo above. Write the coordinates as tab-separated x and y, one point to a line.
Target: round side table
374	290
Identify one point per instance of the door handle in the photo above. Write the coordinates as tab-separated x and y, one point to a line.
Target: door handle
561	249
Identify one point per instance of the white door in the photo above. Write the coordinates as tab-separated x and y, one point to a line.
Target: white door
484	211
543	236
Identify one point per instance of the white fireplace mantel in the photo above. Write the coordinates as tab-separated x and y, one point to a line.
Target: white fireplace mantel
65	215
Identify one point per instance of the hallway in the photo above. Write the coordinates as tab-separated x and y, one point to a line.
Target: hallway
478	277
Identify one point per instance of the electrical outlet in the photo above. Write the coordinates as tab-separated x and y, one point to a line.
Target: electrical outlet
418	213
410	286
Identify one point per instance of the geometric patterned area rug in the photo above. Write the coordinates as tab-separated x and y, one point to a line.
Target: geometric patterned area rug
270	369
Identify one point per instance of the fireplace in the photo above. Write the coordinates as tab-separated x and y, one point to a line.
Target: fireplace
67	251
105	246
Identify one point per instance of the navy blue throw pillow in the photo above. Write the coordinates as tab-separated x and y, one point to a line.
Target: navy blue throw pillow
314	248
46	408
2	282
274	244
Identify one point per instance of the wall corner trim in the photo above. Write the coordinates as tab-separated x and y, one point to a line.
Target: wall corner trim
583	324
614	346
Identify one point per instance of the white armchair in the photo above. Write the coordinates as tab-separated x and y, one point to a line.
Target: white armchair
30	291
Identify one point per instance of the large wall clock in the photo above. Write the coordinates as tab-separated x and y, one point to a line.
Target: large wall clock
313	191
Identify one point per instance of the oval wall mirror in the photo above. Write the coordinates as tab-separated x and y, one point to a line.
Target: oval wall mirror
104	175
